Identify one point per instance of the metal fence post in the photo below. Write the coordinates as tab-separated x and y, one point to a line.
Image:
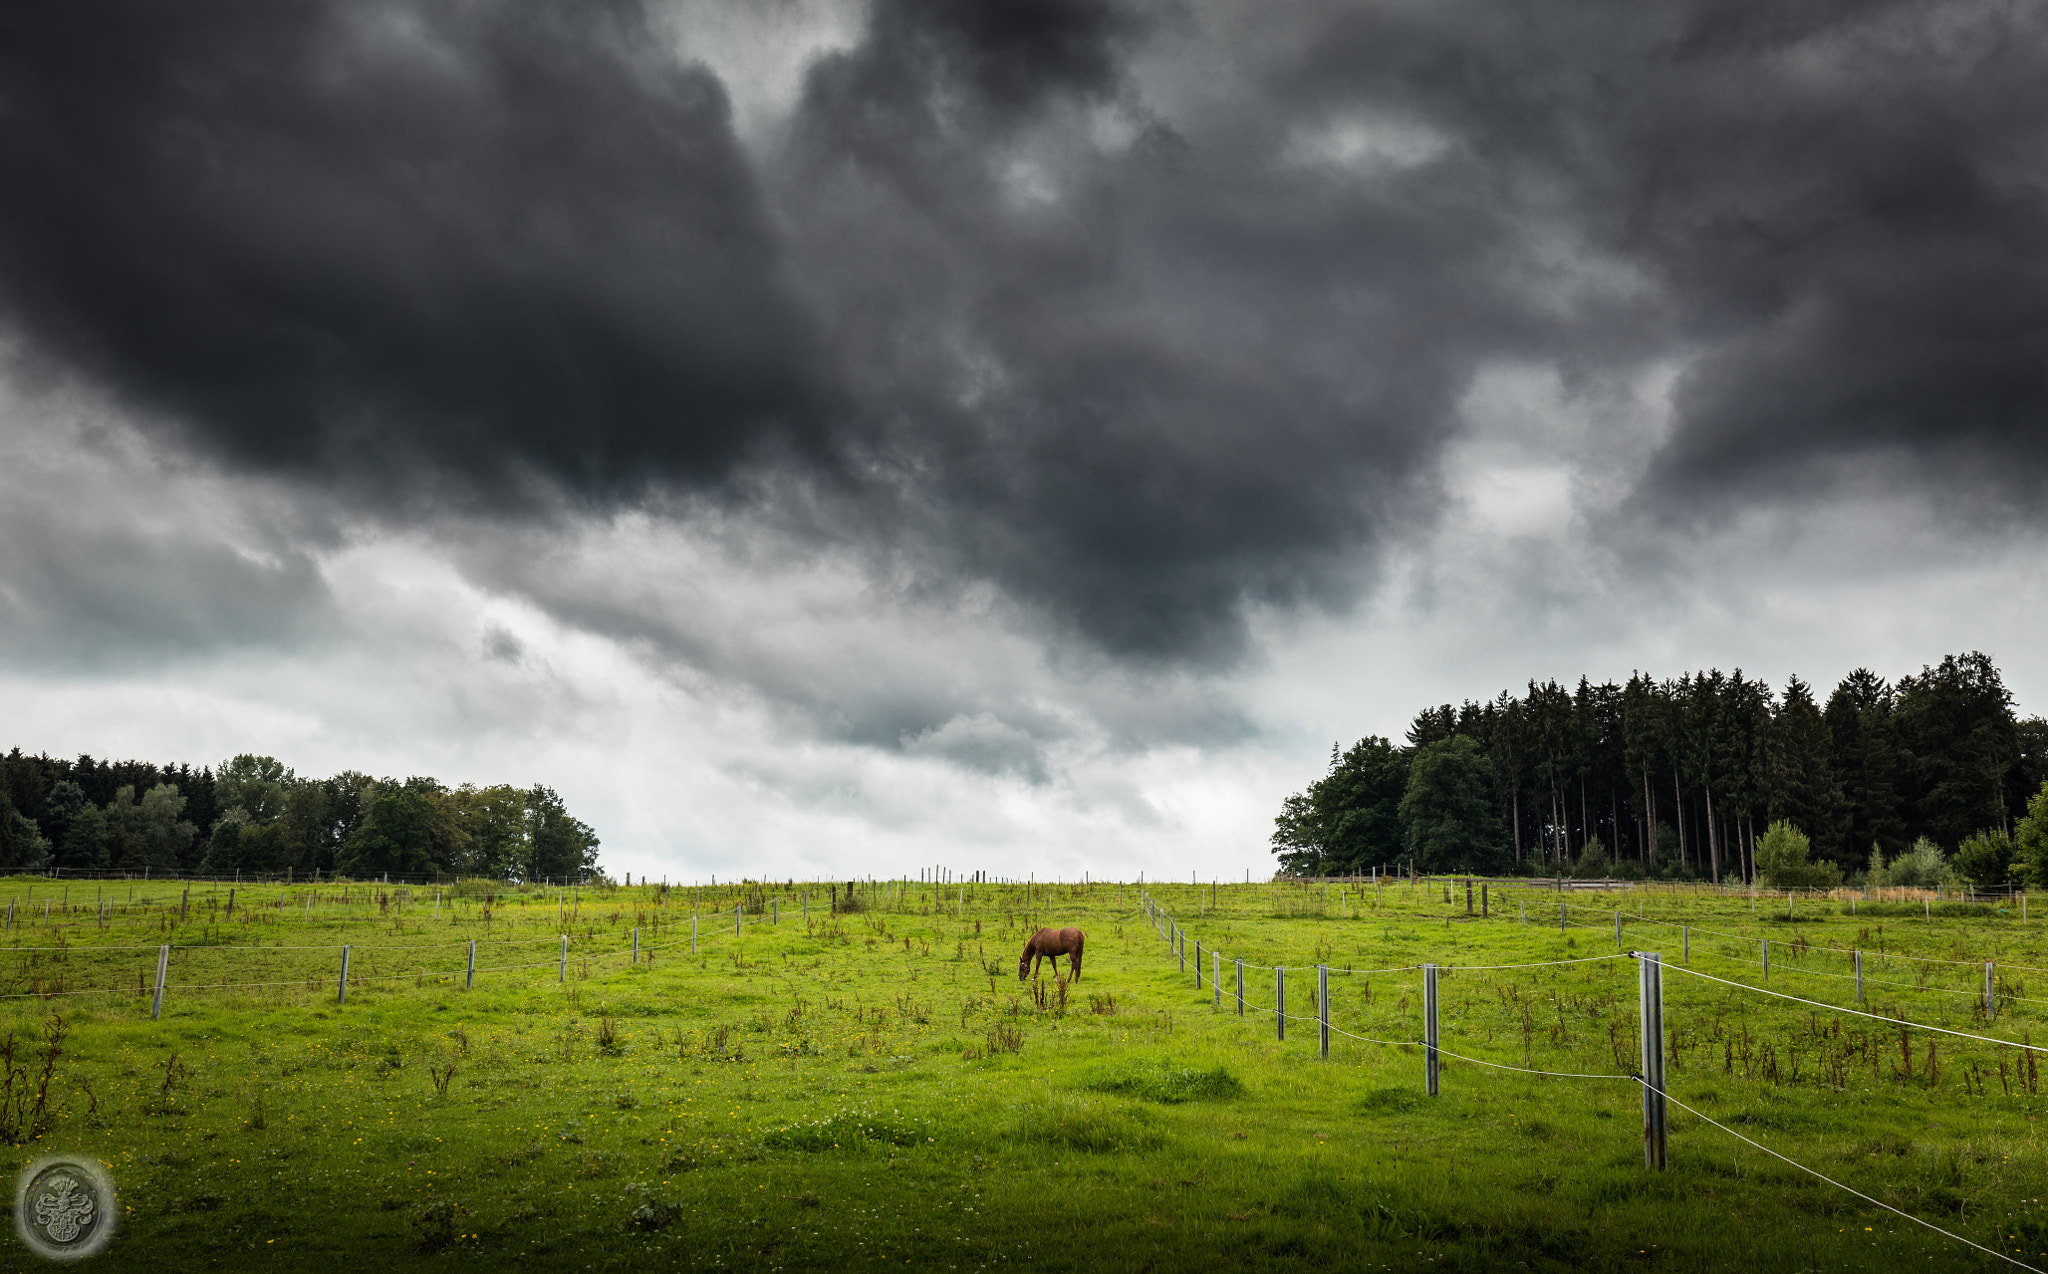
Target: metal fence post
1180	946
341	996
1617	927
1858	958
1990	1003
1323	1006
1685	936
1280	1003
1198	966
1560	917
469	979
1767	959
1650	999
1216	980
775	912
562	973
693	935
163	960
636	944
1429	1061
739	918
1240	986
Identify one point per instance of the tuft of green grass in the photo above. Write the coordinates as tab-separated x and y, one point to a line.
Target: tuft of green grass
1166	1081
842	1130
1388	1101
1095	1127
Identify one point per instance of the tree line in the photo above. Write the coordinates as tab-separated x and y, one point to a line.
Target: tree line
252	814
1684	776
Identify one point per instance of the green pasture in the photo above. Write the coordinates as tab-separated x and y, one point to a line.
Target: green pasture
876	1088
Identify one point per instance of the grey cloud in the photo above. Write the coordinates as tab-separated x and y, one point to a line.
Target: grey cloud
111	558
432	252
982	743
1148	314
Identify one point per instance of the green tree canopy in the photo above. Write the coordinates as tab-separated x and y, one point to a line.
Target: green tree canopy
2030	840
1447	816
410	829
1782	859
1986	859
496	821
562	847
257	785
22	845
87	841
1350	819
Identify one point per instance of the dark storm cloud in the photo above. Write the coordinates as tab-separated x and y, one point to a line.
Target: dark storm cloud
465	244
1854	212
1143	312
1190	374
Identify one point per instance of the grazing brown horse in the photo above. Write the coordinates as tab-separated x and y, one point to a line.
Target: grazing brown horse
1051	944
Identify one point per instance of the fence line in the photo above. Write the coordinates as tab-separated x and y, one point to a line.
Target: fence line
1435	1050
1875	1017
1851	1189
1813	946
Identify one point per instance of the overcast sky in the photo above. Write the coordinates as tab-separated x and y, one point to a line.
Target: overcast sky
830	438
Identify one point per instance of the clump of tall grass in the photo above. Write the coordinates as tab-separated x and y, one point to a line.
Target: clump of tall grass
1166	1081
1094	1127
841	1130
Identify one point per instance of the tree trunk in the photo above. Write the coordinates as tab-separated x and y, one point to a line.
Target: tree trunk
1585	820
1678	805
1713	846
1650	817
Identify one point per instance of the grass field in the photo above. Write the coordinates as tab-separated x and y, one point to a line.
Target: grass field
878	1090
